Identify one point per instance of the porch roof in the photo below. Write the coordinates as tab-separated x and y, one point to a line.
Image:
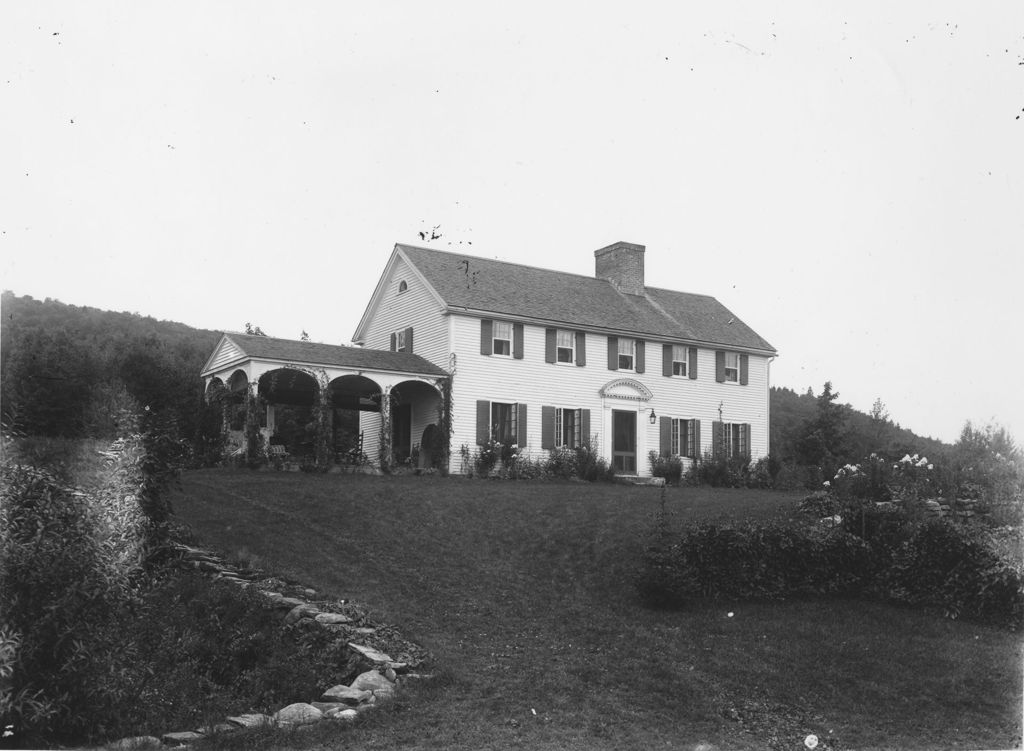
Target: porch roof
240	347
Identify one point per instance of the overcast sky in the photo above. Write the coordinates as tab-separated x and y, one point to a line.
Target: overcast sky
848	182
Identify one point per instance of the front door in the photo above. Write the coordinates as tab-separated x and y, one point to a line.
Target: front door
624	442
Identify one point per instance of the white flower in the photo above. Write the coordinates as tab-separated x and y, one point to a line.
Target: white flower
906	459
811	741
730	614
931	466
827	484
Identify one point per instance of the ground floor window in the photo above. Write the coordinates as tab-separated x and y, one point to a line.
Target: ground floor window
503	423
684	438
567	428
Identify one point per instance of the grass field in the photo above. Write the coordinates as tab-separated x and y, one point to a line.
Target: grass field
523	592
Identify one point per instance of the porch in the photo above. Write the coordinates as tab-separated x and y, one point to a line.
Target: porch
287	400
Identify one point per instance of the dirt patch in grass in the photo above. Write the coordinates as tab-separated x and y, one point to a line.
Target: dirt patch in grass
524	593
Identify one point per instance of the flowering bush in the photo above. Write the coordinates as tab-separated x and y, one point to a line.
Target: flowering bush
669	467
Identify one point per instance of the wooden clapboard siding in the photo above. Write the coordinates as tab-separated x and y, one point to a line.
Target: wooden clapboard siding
538	384
416	308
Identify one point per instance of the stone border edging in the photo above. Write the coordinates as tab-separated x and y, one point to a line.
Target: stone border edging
340	703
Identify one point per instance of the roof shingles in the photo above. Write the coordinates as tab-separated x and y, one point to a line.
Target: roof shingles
313	353
501	288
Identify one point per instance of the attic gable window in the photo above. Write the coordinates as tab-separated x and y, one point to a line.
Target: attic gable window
502	339
402	286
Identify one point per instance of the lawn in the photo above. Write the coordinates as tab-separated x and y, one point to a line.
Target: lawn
523	593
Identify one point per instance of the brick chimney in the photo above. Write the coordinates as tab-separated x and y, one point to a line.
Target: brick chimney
622	264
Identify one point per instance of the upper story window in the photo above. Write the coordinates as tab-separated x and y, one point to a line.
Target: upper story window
402	286
502	338
680	359
732	367
401	340
627	353
565	347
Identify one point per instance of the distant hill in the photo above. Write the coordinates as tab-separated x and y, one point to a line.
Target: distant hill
69	370
862	434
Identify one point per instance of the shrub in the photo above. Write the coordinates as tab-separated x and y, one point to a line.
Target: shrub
935	564
954	567
591	466
748	560
669	467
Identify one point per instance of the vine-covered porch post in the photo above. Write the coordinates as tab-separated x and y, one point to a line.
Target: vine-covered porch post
445	420
324	440
253	452
387	454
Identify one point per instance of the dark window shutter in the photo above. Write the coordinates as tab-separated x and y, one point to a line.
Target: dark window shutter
408	340
716	439
720	366
547	427
483	421
691	368
394	342
639	365
744	369
585	426
581	348
665	427
696	439
517	341
521	426
550	343
486	336
745	440
666	360
613	353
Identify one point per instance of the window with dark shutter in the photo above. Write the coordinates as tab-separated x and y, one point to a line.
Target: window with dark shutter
517	341
640	365
486	336
693	363
581	349
613	353
720	366
665	435
547	427
483	421
408	340
550	343
744	370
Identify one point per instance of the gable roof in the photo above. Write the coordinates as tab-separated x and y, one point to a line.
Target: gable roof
483	285
244	346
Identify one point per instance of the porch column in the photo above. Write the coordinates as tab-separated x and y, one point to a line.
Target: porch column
387	453
252	423
324	440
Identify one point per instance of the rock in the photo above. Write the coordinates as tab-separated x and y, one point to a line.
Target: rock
390	674
300	611
309	592
289	602
369	653
371	680
399	667
932	506
364	630
135	743
345	715
327	706
186	736
251	720
299	713
345	694
332	619
273	596
220	727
